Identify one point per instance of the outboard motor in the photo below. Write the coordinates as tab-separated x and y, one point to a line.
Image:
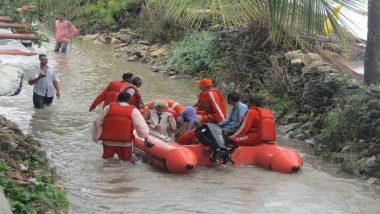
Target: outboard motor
213	136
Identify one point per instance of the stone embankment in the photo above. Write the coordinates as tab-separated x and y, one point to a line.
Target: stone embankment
319	89
132	47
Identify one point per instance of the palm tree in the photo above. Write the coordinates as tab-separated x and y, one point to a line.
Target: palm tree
372	54
285	18
306	17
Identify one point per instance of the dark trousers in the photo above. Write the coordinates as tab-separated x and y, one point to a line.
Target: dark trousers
39	101
62	46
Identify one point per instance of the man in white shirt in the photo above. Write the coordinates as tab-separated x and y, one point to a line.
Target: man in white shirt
44	84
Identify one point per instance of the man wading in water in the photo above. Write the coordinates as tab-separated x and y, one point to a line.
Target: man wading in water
44	84
64	30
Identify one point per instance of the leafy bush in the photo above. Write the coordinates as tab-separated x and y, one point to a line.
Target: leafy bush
156	26
285	105
345	122
22	198
197	54
105	14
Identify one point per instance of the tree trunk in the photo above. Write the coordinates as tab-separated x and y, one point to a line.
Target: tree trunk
372	52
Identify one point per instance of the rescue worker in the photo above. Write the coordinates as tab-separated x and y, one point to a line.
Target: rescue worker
115	125
158	119
211	106
134	91
109	94
237	113
258	125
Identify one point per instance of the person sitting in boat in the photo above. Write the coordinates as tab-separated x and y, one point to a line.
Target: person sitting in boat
258	125
109	94
186	123
211	106
134	91
115	125
237	113
158	119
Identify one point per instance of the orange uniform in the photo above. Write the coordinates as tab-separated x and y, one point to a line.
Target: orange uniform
135	99
110	93
258	126
211	106
118	127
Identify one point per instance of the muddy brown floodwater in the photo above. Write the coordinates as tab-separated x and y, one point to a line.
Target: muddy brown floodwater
98	186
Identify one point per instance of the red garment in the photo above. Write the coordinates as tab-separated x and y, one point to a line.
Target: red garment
186	138
135	100
118	124
123	152
211	106
247	133
109	94
258	126
64	30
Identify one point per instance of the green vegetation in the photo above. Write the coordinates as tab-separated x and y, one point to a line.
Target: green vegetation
197	54
92	15
29	182
345	122
284	18
285	105
10	8
26	197
104	14
155	26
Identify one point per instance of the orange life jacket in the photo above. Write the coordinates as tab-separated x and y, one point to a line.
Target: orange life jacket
265	125
258	120
212	105
113	91
136	98
118	124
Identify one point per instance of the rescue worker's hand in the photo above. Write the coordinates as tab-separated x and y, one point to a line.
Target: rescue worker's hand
58	94
91	109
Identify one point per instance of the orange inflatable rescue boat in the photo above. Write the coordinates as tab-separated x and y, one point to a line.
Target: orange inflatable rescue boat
165	155
207	145
210	146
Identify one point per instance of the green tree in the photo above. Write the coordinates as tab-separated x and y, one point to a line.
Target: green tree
372	54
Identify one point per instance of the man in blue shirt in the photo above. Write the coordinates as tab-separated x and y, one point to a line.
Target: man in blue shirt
237	113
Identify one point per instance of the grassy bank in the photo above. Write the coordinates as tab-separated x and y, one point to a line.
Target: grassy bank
29	182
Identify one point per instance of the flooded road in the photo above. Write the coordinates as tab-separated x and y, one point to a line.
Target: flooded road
98	186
